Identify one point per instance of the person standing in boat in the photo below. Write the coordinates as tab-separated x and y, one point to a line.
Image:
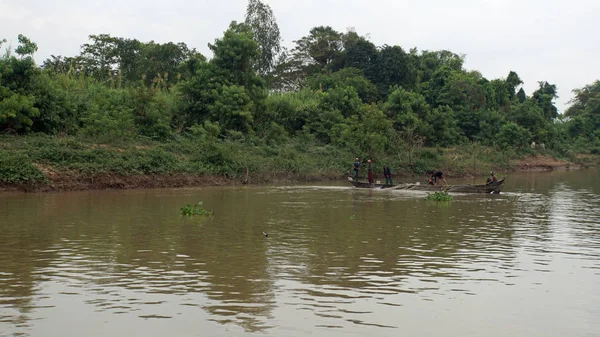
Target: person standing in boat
492	178
370	171
387	173
436	176
356	168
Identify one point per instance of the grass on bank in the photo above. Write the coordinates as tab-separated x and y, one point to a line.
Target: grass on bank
29	159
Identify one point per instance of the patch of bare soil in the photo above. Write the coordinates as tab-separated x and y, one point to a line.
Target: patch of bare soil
541	163
76	181
70	181
47	170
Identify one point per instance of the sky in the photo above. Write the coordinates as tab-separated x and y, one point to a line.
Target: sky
541	40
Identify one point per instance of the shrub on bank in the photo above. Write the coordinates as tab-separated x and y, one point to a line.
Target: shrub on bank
17	168
253	160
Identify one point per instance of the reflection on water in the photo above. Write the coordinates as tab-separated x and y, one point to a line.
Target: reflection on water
337	261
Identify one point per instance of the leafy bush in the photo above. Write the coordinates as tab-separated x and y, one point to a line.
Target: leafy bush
513	135
191	210
439	196
17	168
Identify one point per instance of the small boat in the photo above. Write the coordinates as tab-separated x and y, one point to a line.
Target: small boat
360	184
493	187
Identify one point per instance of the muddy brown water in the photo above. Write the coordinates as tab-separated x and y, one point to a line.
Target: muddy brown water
338	261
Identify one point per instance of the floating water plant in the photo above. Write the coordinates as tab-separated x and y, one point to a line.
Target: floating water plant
439	196
197	209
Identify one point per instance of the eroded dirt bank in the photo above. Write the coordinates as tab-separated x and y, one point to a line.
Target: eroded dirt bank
73	181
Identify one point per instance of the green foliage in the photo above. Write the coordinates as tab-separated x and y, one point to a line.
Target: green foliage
391	67
117	61
531	117
584	117
586	101
344	100
26	46
544	97
153	111
16	111
17	104
17	168
408	110
294	110
444	130
227	89
359	52
368	133
347	78
335	95
513	135
232	109
191	210
321	49
439	196
262	23
521	96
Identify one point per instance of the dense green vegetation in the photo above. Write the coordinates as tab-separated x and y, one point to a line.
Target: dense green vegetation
257	108
197	209
439	196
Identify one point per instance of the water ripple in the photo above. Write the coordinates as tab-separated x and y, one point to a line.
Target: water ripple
338	259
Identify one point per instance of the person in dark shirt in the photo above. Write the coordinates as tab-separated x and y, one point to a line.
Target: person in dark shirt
492	178
356	168
387	173
436	176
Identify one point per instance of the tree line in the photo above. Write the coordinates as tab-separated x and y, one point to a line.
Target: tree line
332	87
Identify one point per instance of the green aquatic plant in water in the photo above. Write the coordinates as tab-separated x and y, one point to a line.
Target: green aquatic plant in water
190	210
439	196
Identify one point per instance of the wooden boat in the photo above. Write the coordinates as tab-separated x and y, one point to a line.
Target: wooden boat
493	187
368	185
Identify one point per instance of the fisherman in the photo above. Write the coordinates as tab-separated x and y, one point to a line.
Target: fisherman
492	178
436	176
370	171
387	173
356	168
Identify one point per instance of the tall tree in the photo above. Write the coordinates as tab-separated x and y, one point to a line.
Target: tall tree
99	57
262	22
322	47
226	89
586	101
347	77
26	47
521	96
585	115
17	103
544	97
391	67
358	51
428	62
235	54
513	81
107	58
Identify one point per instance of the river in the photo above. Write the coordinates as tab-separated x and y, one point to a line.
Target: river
337	261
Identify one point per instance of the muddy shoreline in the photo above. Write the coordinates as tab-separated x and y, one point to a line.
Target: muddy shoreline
73	181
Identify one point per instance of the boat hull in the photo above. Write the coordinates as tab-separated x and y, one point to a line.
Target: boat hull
493	188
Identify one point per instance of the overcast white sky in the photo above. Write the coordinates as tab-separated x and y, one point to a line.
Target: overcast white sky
542	40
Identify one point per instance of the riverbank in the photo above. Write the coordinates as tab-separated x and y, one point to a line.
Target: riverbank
43	163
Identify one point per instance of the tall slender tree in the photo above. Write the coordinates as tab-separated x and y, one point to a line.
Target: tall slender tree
262	23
